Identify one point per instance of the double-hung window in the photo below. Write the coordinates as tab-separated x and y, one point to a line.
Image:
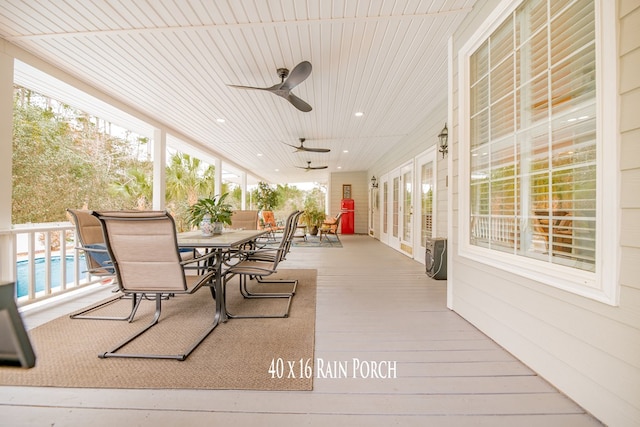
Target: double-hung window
531	138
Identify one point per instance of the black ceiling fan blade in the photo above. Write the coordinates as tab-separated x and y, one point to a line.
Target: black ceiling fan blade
298	103
299	73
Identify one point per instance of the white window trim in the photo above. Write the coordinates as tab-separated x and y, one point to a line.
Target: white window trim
603	284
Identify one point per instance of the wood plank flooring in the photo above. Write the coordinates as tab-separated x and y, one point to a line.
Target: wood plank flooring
419	364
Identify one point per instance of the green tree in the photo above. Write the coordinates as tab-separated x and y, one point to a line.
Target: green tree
64	158
266	197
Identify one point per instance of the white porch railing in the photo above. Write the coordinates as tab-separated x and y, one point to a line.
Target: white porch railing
46	243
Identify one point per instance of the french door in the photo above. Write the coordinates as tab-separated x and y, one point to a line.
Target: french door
396	219
405	229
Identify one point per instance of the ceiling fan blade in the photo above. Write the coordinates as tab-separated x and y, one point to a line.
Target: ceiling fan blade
299	103
294	146
315	150
318	167
299	73
249	87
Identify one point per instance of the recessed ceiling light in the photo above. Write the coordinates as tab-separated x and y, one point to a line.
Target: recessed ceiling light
359	114
259	154
339	167
345	151
220	120
277	170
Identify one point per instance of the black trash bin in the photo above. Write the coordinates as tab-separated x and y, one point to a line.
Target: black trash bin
436	258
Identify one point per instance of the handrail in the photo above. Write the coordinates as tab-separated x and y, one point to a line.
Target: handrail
46	241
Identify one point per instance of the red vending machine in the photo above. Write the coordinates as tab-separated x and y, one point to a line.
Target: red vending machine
348	213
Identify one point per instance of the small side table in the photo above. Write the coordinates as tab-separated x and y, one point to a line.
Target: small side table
301	231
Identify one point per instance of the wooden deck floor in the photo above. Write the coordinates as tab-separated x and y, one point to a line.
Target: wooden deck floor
374	305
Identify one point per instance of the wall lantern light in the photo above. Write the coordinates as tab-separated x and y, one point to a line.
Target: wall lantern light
374	182
444	137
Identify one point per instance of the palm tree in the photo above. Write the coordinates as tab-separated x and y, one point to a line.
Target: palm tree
188	178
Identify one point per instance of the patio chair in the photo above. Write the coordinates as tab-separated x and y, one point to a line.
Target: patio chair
260	263
90	240
289	230
269	223
144	249
330	226
244	219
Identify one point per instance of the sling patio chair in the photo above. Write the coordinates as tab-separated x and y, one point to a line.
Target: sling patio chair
90	240
244	219
144	248
330	226
259	263
270	224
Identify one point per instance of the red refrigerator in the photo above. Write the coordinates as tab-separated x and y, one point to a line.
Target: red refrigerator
348	213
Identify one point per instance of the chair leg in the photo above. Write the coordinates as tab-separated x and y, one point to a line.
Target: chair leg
246	294
135	303
154	321
260	279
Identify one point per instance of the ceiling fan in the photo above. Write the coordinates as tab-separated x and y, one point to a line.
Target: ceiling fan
301	147
309	167
299	73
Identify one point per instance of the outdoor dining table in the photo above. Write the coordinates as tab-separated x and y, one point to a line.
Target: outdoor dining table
218	243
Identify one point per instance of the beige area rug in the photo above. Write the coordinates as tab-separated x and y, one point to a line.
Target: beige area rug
238	354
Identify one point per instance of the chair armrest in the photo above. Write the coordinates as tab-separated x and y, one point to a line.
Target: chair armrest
197	259
240	255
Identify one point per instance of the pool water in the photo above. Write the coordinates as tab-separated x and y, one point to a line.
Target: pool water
23	273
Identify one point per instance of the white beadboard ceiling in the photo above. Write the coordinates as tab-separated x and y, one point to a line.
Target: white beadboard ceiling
172	61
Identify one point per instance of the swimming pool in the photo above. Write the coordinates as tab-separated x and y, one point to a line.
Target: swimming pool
23	273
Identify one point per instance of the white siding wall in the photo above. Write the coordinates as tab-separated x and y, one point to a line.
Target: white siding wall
589	350
416	142
359	193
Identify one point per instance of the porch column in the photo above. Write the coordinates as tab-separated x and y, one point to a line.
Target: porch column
218	177
243	186
159	168
7	254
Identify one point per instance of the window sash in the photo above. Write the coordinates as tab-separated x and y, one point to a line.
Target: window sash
559	121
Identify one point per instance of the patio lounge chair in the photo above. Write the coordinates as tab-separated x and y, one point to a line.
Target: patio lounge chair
144	249
269	223
330	226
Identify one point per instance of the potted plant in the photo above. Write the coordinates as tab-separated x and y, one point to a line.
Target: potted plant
210	214
313	218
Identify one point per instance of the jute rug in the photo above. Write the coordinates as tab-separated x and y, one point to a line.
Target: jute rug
243	354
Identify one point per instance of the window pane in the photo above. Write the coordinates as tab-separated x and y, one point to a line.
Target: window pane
426	199
396	206
480	96
407	224
479	65
501	43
